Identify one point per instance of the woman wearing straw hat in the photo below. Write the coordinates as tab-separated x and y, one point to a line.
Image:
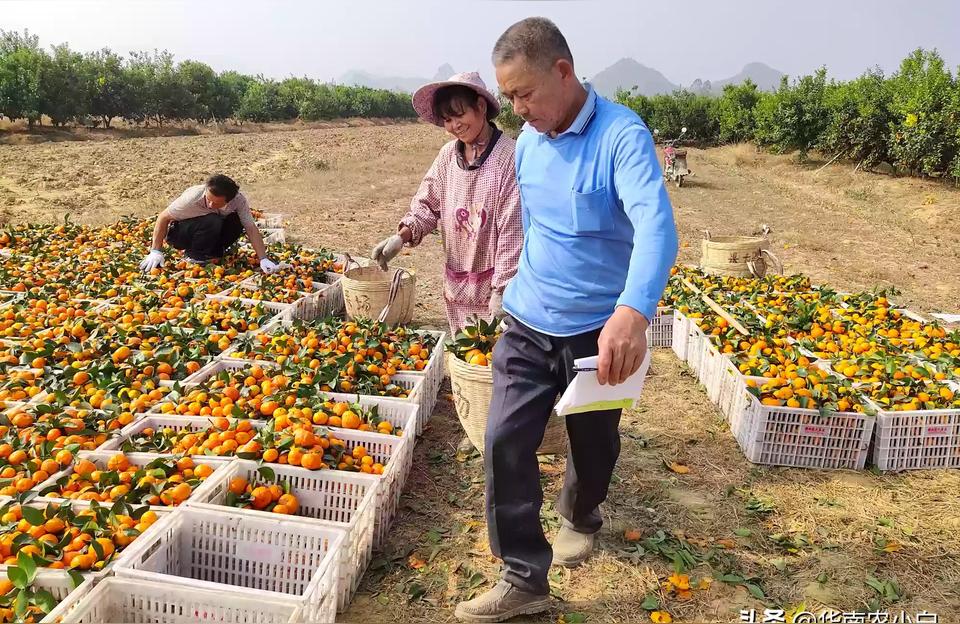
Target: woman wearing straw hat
470	195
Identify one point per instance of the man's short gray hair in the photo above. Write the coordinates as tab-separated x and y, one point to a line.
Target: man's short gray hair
535	39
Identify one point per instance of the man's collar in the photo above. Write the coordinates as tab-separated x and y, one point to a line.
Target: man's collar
586	113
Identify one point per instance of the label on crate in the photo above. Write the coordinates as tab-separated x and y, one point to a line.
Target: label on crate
936	430
261	553
819	431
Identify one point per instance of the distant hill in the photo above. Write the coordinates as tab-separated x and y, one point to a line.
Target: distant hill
625	73
628	73
443	73
359	78
765	77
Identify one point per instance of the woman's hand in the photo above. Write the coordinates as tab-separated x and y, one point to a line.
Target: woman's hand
386	250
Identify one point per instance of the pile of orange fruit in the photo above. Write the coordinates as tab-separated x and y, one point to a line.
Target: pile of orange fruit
825	350
165	481
67	536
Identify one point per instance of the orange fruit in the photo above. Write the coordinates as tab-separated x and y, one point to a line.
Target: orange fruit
312	461
261	497
290	502
17	457
238	485
118	462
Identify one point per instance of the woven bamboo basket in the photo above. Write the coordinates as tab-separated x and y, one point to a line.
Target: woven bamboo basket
369	292
738	256
472	391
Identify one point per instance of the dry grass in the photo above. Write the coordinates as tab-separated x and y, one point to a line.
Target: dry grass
853	231
18	133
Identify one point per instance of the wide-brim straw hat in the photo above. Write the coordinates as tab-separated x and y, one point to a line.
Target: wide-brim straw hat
423	98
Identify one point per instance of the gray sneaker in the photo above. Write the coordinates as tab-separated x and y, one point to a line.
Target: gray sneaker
502	602
571	548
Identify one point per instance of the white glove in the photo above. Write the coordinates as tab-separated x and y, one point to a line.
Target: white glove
386	250
153	260
495	308
268	266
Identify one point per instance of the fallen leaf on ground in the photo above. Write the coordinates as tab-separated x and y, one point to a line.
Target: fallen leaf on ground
680	581
416	562
677	467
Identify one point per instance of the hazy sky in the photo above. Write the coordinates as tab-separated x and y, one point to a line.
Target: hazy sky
706	39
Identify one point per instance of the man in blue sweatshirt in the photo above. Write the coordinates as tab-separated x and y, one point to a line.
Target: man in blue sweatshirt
599	242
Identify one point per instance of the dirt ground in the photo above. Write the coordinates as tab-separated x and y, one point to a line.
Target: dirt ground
801	538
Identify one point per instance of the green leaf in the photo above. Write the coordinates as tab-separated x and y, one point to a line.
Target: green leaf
18	577
45	600
33	515
21	603
267	473
743	532
650	602
118	508
415	592
26	563
574	618
97	548
875	584
754	590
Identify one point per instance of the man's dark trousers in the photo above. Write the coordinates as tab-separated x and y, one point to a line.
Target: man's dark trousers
530	370
206	237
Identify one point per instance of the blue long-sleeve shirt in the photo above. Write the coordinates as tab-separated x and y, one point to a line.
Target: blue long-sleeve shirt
598	224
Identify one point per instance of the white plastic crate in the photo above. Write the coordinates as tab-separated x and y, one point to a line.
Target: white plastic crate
280	558
803	438
711	364
327	302
916	440
432	374
730	382
201	494
401	414
696	341
271	220
276	307
63	612
157	421
274	235
58	582
396	455
398	412
393	452
119	599
681	325
341	499
660	332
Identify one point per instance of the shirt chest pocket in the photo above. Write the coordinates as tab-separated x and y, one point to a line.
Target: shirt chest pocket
591	211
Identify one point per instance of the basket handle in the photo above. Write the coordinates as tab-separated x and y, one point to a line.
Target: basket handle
755	271
398	276
775	259
347	260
